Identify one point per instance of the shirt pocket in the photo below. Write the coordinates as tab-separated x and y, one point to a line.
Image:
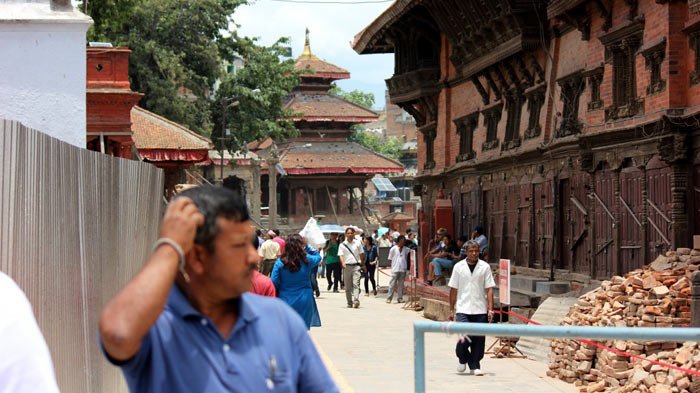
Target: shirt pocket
282	383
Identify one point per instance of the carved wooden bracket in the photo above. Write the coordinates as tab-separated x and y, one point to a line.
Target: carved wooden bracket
674	148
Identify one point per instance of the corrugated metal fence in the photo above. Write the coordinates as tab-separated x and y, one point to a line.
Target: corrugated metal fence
75	225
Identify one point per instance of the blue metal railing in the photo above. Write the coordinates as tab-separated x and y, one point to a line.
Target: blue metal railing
504	330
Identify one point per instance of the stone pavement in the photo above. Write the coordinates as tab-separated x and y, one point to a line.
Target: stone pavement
370	349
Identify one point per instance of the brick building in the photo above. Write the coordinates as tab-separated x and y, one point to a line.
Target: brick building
568	128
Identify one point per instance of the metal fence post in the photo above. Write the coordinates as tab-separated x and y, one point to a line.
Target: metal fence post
419	361
695	300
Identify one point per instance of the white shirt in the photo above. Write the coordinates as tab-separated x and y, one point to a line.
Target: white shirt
25	361
471	287
350	257
398	258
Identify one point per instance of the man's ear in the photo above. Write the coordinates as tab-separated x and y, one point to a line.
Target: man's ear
197	259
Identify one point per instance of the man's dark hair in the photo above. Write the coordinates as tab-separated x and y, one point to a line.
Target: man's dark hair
463	238
479	229
258	232
214	202
401	237
276	231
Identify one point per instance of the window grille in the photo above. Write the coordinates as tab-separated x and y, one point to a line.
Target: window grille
595	79
572	87
429	139
491	118
695	46
535	102
621	48
465	128
654	58
514	106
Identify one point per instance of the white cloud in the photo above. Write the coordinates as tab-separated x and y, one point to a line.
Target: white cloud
332	27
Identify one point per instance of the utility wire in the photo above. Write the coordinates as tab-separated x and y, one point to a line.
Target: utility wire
334	1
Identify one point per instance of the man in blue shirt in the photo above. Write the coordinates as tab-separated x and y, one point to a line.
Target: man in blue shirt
185	324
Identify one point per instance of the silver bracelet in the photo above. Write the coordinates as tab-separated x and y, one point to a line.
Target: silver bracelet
178	250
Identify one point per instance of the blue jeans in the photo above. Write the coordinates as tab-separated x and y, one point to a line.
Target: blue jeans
442	263
471	351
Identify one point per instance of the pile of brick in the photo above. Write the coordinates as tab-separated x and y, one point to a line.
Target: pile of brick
657	295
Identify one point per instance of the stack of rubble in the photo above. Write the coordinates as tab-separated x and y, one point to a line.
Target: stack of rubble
657	295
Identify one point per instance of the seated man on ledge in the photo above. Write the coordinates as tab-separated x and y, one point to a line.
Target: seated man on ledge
449	256
185	323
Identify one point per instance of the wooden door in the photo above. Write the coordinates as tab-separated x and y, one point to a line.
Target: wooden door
604	224
510	235
544	223
631	215
658	207
566	233
524	224
579	248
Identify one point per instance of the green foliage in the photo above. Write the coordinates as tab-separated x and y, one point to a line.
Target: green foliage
387	146
356	96
179	48
260	88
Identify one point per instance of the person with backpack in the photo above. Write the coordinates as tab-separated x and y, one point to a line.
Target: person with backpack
351	259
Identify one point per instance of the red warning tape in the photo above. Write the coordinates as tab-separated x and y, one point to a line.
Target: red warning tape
613	350
587	342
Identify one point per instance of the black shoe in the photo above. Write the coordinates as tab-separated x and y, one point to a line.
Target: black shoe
318	293
329	287
335	291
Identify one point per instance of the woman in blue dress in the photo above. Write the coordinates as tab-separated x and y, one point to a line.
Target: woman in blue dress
292	278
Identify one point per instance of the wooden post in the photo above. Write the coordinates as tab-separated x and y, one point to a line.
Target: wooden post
272	199
695	300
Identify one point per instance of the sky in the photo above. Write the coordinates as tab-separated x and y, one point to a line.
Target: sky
332	28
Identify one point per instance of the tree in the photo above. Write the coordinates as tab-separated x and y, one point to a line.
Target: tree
355	96
387	146
260	88
179	49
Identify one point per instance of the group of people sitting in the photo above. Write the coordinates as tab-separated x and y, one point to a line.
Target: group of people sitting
444	252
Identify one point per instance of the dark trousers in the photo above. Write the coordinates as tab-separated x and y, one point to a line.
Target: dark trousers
471	353
333	275
314	279
369	276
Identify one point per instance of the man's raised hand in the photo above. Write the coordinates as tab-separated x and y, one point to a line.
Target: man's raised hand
180	223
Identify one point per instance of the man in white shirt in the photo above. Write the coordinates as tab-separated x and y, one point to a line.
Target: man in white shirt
471	300
269	251
25	361
397	256
351	260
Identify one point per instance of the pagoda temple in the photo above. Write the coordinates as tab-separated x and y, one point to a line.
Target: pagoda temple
323	174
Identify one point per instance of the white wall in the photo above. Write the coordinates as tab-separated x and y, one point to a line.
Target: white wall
42	68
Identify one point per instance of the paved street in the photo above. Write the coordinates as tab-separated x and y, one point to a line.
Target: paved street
371	350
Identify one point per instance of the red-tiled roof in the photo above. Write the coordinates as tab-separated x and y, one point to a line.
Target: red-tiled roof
318	68
160	140
300	158
156	132
327	107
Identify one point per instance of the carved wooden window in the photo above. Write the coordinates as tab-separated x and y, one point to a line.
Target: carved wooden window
465	128
491	118
621	48
695	46
429	138
535	102
653	58
572	87
514	108
595	79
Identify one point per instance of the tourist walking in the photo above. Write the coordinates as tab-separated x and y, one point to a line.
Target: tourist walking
292	278
171	328
397	256
471	300
269	252
371	255
332	262
351	258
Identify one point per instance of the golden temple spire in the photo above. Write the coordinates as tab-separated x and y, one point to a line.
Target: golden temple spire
307	45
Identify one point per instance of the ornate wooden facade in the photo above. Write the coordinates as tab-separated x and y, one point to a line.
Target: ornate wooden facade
569	128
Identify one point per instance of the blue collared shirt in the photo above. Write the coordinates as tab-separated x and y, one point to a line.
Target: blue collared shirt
268	350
